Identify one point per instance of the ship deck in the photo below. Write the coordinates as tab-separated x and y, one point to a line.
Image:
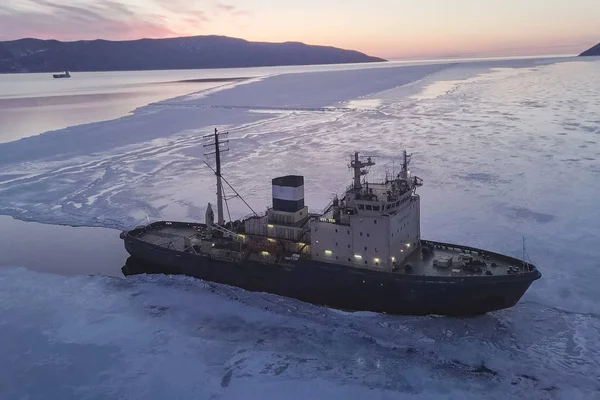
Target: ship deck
488	263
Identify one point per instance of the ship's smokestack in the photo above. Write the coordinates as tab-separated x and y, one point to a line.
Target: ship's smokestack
288	193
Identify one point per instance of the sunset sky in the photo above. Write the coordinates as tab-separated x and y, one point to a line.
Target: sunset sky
386	28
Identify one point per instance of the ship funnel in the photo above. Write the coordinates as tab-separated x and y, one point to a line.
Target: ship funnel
288	193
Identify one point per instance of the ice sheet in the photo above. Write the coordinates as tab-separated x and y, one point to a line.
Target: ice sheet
506	151
155	337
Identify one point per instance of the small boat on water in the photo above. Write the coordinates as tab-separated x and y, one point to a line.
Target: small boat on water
65	75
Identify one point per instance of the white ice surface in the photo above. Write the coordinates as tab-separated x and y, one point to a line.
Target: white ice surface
506	149
157	337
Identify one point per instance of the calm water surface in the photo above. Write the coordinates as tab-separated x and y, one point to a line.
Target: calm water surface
60	249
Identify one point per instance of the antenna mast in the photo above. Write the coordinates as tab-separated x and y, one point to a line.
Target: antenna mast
217	152
405	162
357	165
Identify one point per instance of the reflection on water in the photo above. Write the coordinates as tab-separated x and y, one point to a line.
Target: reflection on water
60	249
27	116
136	266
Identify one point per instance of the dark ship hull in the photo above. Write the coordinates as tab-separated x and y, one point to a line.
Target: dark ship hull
343	287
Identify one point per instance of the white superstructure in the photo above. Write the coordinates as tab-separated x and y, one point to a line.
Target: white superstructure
374	225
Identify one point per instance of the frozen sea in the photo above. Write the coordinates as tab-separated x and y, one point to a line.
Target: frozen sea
507	149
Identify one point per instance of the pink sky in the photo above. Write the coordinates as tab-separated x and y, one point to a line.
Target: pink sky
385	28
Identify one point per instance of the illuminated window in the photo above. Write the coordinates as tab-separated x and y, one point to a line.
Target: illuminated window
328	252
357	256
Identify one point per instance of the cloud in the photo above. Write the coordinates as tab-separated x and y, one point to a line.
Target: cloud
111	19
104	19
231	10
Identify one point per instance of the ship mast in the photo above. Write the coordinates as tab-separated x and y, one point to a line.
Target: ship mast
357	165
217	152
405	163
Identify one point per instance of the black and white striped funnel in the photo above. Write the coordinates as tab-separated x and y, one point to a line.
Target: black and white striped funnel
288	193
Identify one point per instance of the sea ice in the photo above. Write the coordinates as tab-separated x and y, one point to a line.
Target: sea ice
507	150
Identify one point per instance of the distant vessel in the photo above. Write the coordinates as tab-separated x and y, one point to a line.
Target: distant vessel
65	75
363	252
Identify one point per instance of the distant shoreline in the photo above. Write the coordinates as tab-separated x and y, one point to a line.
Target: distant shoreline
192	52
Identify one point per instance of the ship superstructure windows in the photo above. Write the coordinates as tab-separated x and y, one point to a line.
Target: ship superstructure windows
372	211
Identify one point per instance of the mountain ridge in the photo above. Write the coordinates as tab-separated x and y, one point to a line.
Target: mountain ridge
190	52
592	51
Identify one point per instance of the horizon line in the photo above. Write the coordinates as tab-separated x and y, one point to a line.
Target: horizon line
442	56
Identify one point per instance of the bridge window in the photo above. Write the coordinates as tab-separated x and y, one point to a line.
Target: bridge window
361	206
375	208
368	207
374	221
